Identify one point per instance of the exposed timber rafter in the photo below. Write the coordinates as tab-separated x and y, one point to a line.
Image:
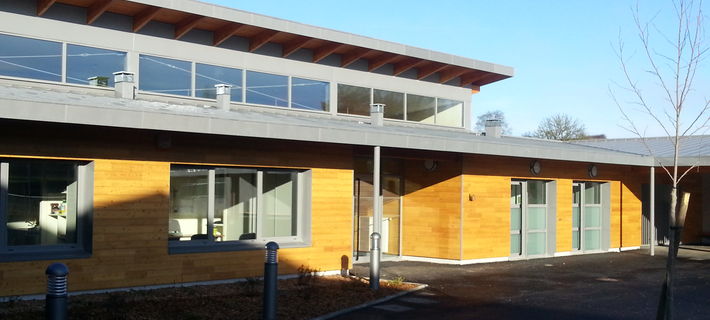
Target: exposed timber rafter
430	69
187	24
380	61
97	9
293	46
143	17
326	50
226	32
403	66
261	39
354	55
447	75
43	6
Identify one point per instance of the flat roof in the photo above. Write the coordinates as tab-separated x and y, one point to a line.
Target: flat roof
223	22
84	106
694	150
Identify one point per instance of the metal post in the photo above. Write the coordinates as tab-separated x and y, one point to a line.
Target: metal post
377	208
652	208
375	262
55	303
271	267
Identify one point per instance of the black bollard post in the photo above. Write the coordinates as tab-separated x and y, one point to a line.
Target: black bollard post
55	303
375	261
271	272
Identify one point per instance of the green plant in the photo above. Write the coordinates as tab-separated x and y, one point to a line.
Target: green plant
397	281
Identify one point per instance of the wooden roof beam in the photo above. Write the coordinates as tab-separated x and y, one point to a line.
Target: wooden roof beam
380	61
226	32
43	6
354	55
261	39
430	69
401	67
97	9
451	73
472	78
326	50
187	24
143	17
293	46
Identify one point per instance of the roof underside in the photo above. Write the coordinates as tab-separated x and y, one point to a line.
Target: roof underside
224	23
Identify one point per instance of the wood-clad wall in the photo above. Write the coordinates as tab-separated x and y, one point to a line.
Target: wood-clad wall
131	207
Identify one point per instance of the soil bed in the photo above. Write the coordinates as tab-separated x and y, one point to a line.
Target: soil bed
300	298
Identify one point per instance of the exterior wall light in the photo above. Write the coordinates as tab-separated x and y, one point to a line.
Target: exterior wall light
430	165
593	171
535	167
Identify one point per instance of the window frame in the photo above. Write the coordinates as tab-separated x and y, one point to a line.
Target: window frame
303	198
84	219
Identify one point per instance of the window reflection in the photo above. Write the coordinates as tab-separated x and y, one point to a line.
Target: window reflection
86	62
394	103
165	75
30	58
267	89
420	108
188	203
309	94
449	113
353	100
207	76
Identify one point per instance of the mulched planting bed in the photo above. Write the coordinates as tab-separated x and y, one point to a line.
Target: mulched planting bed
299	298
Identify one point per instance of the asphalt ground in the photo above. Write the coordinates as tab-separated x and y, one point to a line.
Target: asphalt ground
624	285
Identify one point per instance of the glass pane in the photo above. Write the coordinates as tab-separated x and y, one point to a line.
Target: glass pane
84	63
515	244
592	239
536	192
390	186
516	194
420	108
449	113
267	89
165	75
536	218
575	216
575	193
279	204
575	240
41	202
188	203
536	243
592	193
310	94
353	100
207	76
515	219
592	217
235	204
394	103
30	58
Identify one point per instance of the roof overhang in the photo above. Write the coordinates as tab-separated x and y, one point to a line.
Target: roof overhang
224	23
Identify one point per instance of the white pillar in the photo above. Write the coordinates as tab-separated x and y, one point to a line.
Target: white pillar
652	210
376	204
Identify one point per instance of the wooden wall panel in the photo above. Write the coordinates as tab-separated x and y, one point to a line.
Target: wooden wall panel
486	222
564	215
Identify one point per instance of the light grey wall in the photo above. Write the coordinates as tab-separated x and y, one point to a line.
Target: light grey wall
551	217
606	215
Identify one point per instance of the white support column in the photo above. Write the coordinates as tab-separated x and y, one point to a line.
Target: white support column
652	210
376	203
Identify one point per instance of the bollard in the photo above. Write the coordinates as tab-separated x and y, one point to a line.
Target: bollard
55	303
375	262
271	272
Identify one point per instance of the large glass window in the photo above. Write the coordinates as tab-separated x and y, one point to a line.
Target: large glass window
353	100
449	112
421	109
310	94
42	205
87	65
165	75
207	76
267	89
394	103
236	205
30	58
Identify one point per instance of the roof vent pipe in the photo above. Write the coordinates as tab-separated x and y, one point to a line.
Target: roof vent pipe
494	128
224	96
124	85
377	112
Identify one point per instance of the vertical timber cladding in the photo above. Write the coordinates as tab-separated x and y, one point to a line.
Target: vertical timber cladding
486	203
131	208
431	210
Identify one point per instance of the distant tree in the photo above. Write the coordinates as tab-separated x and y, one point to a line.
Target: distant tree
559	127
490	115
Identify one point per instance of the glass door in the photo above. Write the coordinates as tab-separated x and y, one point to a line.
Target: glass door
576	216
363	216
391	186
586	216
516	218
528	218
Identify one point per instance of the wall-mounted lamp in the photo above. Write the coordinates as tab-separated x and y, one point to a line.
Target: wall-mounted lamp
593	171
535	167
430	165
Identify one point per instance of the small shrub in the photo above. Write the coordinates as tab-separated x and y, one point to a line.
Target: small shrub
397	281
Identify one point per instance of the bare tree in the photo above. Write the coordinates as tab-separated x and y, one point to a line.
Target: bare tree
559	127
672	62
492	115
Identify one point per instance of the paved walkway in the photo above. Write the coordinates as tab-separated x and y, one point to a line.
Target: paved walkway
597	286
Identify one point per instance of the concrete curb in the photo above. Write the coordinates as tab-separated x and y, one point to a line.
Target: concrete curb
368	304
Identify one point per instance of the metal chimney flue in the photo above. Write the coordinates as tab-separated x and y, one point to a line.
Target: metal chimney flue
224	96
377	112
124	84
494	128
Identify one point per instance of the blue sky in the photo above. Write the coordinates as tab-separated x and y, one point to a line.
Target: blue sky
562	50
